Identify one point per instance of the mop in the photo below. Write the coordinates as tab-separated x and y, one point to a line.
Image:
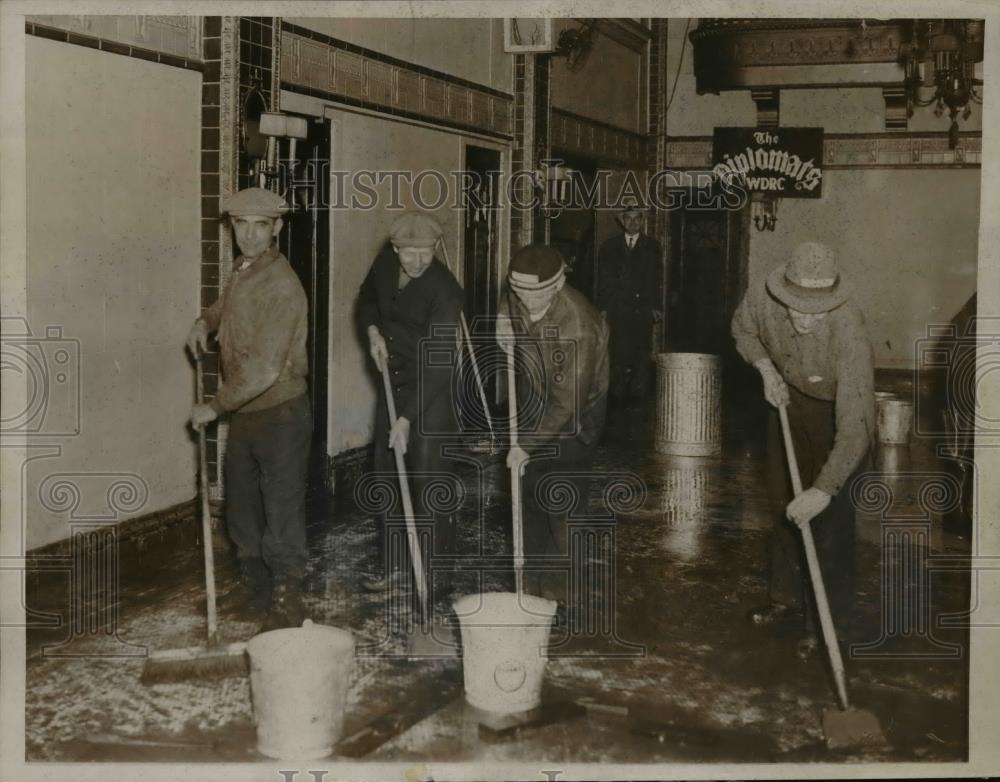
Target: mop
211	660
422	643
845	727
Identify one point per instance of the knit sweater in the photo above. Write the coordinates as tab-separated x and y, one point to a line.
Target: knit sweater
261	320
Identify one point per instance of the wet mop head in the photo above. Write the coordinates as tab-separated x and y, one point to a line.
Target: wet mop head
851	728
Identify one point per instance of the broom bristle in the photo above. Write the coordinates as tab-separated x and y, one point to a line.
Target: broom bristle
178	665
852	728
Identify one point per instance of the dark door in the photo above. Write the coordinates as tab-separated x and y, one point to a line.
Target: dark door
481	271
707	277
305	242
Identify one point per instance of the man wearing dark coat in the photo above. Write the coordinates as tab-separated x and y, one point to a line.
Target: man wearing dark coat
629	291
409	309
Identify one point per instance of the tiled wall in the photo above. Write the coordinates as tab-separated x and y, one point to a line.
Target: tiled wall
531	143
256	58
173	35
210	190
320	65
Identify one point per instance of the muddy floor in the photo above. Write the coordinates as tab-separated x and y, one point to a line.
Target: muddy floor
664	659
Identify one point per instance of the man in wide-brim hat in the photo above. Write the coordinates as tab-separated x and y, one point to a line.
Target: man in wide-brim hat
807	338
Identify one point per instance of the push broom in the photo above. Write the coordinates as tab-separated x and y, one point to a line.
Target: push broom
212	660
845	727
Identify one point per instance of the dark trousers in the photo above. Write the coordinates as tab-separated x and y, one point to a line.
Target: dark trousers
812	424
630	357
431	475
552	489
267	460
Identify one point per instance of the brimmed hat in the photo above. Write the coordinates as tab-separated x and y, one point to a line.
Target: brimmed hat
535	267
414	229
811	282
255	201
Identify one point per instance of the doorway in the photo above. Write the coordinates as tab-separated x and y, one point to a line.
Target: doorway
481	272
305	242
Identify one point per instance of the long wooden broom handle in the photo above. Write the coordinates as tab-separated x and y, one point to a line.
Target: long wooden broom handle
404	490
468	342
815	575
206	514
517	522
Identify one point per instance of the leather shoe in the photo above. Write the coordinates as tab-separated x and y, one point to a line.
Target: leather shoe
772	614
250	596
287	608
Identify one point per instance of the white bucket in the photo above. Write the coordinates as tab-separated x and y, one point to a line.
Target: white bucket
895	417
504	649
299	679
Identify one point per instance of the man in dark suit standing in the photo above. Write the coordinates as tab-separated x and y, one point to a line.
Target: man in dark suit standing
629	291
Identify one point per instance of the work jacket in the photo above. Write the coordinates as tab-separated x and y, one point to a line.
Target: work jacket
562	369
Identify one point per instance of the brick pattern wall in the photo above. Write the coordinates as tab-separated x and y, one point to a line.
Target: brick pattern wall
256	58
210	197
531	143
542	140
656	144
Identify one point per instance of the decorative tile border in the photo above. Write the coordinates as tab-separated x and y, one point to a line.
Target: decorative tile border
573	133
176	40
911	150
319	65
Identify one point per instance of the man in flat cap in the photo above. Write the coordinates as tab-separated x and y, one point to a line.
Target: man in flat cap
629	290
561	361
260	320
807	338
409	308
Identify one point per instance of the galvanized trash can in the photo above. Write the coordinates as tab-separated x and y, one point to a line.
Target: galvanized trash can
895	419
688	404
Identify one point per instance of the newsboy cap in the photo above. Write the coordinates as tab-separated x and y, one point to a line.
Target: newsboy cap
810	282
414	229
255	201
535	267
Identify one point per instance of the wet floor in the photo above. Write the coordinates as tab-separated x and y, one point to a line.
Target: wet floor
675	555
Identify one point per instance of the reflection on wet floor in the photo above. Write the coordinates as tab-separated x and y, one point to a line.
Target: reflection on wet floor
658	637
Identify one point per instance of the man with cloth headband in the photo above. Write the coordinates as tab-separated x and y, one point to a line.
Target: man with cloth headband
261	324
409	309
807	338
561	361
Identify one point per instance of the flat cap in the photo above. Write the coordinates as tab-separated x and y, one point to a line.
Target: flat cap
414	229
535	266
255	201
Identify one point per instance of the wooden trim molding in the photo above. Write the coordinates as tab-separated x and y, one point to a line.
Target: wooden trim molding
327	68
573	133
888	150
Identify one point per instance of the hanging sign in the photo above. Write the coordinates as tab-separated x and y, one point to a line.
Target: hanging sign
783	162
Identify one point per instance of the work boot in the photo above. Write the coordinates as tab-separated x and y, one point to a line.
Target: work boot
287	608
250	597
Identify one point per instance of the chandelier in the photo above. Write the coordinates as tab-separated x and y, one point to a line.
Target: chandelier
940	68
